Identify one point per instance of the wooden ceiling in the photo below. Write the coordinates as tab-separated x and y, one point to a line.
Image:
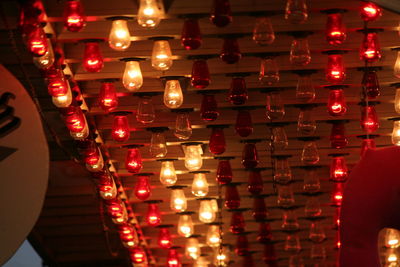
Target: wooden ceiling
70	231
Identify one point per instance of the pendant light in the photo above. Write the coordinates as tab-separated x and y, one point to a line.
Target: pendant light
209	107
200	186
92	58
167	173
178	202
119	38
192	248
300	54
230	52
335	31
243	124
250	157
120	130
149	13
132	78
145	111
161	56
335	70
369	11
173	96
74	18
274	106
133	161
338	169
336	101
164	237
370	50
221	14
153	215
142	188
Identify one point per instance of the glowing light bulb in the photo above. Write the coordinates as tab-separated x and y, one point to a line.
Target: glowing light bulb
300	54
335	70
158	145
74	18
369	118
370	11
392	238
269	71
107	188
63	101
74	118
396	133
192	248
119	38
185	225
57	85
178	201
142	188
117	211
36	41
338	170
149	13
92	58
164	238
337	194
133	161
173	97
108	99
206	212
183	127
296	11
132	78
120	131
213	237
173	259
336	102
335	29
263	32
396	68
138	255
200	184
221	257
370	50
47	60
167	173
127	235
193	159
161	57
145	111
153	215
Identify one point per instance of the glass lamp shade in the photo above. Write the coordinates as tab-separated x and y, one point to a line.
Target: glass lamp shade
232	198
173	97
119	38
132	78
335	70
338	136
279	138
336	102
158	145
183	127
206	212
296	11
250	157
269	255
369	119
117	211
161	57
337	194
311	183
292	243
306	124
217	144
300	54
167	173
137	255
209	108
120	131
178	201
289	221
200	184
185	225
338	169
142	188
133	161
263	32
370	11
230	53
371	85
310	155
127	235
335	29
317	232
305	91
92	58
282	170
238	94
200	74
36	41
74	18
285	196
255	183
108	99
224	172
145	111
274	107
153	215
191	35
193	159
269	71
244	124
370	50
149	14
237	223
164	238
259	211
221	14
312	208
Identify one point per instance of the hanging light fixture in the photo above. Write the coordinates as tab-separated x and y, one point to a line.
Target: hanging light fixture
300	54
337	194
185	224
217	144
192	248
48	59
336	101
317	232
255	182
313	208
230	52
263	32
200	78
369	11
164	237
285	196
269	71
142	188
191	35
92	58
269	254
132	78
137	255
250	157
56	82
242	245
145	111
392	238
224	170
213	236
232	197
127	235
289	220
120	130
243	125
338	169
119	38
133	161
36	41
264	235
338	134
209	107
183	126
153	215
173	97
292	243
193	152
178	201
274	107
117	211
108	99
173	259
167	173
206	211
74	18
369	117
199	184
335	71
149	13
370	50
221	14
161	56
335	32
158	145
238	94
296	11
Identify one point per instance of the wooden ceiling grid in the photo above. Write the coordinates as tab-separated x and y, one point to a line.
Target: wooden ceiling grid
70	228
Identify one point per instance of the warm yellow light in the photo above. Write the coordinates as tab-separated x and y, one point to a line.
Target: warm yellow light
119	38
132	78
396	68
47	59
149	14
206	212
83	135
392	236
110	193
192	248
64	100
221	257
200	185
397	101
396	133
193	160
213	237
173	97
167	174
185	225
161	57
178	200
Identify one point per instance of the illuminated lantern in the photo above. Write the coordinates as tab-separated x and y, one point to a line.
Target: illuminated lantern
200	74
36	41
339	171
255	182
335	28
337	194
396	133
263	32
185	224
213	236
221	13
108	99
161	56
117	211
230	53
369	11
178	202
132	78
133	161
74	18
244	124
224	170
238	94
191	35
370	83
193	152
149	14
138	255
120	130
249	154
259	211
370	50
200	184
300	54
206	212
368	142
264	235
127	235
237	222
335	70
209	108
369	118
74	118
242	245
232	198
336	102
392	238
142	188
164	238
56	83
217	143
296	11
119	38
167	173
173	97
338	135
192	248
153	215
173	258
92	57
47	60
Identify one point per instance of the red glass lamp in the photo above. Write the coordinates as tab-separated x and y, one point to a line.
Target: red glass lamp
259	211
371	85
370	50
221	14
74	118
370	11
209	108
92	58
138	255
238	94
244	125
230	53
191	35
133	161
264	235
232	198
237	222
250	157
217	143
335	28
224	170
108	99
242	245
336	102
153	215
255	183
56	83
337	194
200	74
338	169
338	135
120	131
173	259
369	117
335	70
74	18
164	238
142	188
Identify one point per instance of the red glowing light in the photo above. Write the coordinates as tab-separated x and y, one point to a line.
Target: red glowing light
138	255
338	171
335	71
370	50
336	102
191	34
74	118
338	136
369	119
153	217
173	258
370	11
120	131
74	19
108	96
335	29
56	84
133	161
142	188
371	84
164	238
92	58
36	41
337	194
